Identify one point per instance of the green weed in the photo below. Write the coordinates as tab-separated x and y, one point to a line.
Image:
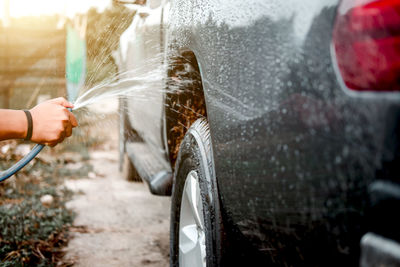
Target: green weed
31	233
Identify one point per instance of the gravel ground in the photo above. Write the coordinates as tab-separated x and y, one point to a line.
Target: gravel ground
118	223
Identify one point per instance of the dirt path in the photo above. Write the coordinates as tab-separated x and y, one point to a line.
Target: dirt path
118	223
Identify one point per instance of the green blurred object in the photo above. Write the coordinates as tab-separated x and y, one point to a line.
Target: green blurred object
75	62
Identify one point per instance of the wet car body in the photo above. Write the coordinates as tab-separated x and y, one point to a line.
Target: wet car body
304	165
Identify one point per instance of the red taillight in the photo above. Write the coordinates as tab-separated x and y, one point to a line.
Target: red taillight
367	44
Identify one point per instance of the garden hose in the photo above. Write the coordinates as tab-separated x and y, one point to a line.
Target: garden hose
4	175
21	163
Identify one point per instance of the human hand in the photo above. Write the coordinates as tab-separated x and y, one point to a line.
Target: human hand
52	121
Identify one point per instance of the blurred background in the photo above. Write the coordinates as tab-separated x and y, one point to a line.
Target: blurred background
51	48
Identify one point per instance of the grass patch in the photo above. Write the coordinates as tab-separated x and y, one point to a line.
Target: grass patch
32	232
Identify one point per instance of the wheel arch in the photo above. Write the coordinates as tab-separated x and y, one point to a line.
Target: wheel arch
185	100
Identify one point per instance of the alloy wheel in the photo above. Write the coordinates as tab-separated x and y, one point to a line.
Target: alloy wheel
192	240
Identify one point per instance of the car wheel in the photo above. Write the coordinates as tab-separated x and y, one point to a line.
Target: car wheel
196	223
125	165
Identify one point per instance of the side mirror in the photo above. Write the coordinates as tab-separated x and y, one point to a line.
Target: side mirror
130	2
142	10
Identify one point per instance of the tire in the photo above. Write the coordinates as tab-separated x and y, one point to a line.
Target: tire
196	230
126	167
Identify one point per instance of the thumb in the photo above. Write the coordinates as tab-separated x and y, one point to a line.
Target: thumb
63	102
73	120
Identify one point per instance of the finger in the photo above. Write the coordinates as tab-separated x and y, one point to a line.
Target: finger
73	119
62	137
68	130
63	102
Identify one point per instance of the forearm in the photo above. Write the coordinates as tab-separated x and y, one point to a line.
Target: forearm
13	124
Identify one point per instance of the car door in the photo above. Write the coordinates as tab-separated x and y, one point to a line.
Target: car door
295	151
144	64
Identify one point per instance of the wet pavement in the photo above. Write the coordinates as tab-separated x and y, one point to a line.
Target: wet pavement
118	223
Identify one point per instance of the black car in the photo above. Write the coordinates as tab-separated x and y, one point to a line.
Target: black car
274	125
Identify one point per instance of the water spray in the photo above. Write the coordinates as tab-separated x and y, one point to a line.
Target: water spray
116	87
4	175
